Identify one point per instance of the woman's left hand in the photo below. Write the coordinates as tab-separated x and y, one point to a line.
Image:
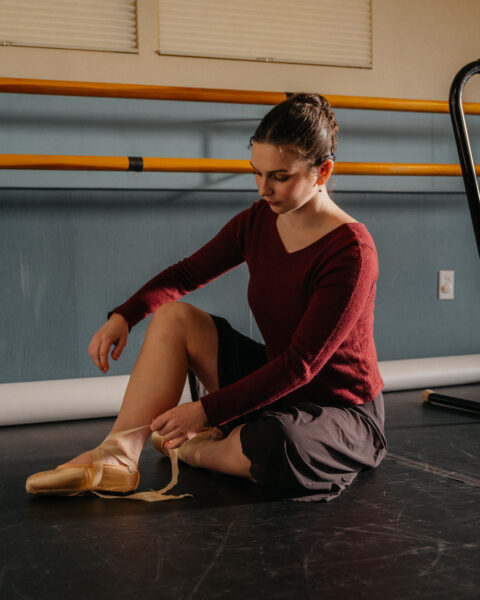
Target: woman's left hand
180	424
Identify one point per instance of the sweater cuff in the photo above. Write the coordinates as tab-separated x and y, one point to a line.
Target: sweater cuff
212	418
125	316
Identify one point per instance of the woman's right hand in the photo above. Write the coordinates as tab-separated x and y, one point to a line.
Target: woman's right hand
113	332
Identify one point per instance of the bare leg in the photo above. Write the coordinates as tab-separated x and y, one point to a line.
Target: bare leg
179	336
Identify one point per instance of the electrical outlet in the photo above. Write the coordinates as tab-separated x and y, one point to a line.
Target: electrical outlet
446	285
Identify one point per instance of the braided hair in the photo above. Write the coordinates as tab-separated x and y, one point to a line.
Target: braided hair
305	123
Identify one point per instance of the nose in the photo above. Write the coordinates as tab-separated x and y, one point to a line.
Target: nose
264	189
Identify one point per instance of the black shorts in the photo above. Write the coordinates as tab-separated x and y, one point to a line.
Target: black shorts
307	449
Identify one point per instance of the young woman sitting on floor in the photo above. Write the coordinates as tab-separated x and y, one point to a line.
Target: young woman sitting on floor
302	414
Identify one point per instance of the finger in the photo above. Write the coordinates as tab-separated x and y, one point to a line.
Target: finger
166	427
158	423
122	342
103	356
161	421
175	434
162	425
169	431
176	442
93	350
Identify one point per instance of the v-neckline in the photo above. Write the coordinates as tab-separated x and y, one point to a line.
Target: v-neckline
312	244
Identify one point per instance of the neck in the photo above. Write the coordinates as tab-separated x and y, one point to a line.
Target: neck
313	212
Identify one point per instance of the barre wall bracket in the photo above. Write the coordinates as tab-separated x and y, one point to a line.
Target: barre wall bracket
135	163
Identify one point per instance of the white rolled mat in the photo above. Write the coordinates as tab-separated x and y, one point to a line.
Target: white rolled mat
417	373
65	399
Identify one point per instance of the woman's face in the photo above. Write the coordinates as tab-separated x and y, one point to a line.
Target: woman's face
283	180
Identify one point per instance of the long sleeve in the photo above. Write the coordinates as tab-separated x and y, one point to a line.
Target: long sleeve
219	255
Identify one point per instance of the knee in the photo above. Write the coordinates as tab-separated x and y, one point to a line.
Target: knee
171	314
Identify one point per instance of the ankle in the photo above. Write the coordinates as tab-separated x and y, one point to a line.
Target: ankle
129	451
130	445
110	459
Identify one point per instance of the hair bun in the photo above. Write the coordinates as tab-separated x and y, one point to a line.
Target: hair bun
306	123
311	99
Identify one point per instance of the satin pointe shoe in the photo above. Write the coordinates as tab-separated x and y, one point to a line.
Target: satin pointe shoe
73	480
189	450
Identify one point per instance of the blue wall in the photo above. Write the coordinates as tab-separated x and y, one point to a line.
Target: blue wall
74	245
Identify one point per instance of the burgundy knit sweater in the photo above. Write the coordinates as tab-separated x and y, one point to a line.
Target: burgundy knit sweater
314	308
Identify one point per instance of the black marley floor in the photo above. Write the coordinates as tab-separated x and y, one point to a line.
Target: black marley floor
409	529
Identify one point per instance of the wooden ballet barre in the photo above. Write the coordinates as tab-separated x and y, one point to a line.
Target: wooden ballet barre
141	92
206	165
412	169
152	92
123	163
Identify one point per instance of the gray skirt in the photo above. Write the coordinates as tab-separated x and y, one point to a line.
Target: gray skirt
308	451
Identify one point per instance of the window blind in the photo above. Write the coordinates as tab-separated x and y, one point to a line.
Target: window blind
321	32
109	25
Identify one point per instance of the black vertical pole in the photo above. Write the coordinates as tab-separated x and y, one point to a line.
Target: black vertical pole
473	197
463	143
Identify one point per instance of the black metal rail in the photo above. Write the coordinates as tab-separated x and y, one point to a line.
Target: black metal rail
473	197
463	143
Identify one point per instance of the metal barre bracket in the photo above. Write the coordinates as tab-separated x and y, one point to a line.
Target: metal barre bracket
135	163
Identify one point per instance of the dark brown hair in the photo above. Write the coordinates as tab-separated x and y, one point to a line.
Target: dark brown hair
305	123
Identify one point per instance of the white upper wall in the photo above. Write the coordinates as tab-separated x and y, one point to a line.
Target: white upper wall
418	47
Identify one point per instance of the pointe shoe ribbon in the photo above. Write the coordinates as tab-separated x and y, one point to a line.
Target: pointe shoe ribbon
152	495
75	480
107	446
190	450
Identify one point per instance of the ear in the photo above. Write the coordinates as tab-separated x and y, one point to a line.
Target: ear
324	172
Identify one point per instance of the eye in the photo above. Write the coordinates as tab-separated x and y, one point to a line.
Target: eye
282	177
